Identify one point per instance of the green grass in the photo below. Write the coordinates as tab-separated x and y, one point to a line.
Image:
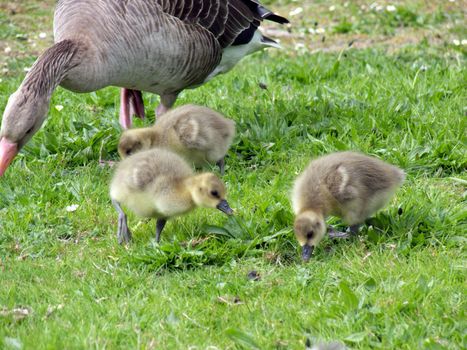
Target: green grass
400	285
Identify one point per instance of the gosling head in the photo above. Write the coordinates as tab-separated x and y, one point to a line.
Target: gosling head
133	141
309	227
23	116
208	191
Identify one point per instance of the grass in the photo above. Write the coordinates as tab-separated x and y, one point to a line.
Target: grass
66	283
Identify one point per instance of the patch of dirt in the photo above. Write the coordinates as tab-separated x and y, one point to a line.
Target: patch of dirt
30	23
313	26
339	42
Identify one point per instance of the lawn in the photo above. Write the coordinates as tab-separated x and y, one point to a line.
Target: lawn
352	76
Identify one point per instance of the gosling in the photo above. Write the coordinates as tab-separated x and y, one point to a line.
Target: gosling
158	183
348	185
199	134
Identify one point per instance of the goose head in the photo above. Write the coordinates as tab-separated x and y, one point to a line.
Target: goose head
309	227
208	191
23	116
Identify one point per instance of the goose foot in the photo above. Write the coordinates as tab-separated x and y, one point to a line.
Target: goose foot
160	223
221	164
131	103
123	232
167	101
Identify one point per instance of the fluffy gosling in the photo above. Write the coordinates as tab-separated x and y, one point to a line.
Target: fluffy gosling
199	134
158	183
348	185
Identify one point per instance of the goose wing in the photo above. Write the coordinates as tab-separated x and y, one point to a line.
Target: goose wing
150	167
232	22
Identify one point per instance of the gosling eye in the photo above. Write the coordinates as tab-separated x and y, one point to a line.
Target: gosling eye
215	194
310	234
30	130
128	151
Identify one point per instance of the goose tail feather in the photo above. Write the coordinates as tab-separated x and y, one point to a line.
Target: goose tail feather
271	16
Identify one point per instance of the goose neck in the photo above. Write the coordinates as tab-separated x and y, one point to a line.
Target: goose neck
51	68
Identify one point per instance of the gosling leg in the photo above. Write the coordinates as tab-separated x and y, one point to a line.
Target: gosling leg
353	229
123	232
160	223
221	164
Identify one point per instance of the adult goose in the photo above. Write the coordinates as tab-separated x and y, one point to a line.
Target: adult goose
159	46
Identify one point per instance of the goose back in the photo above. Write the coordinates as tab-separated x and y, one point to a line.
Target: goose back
128	42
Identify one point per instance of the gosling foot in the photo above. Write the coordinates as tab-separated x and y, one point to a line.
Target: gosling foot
333	233
350	232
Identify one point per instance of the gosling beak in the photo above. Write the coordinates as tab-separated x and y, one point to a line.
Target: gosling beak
8	151
307	250
224	207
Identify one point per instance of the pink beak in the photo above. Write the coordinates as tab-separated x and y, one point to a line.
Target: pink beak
8	151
